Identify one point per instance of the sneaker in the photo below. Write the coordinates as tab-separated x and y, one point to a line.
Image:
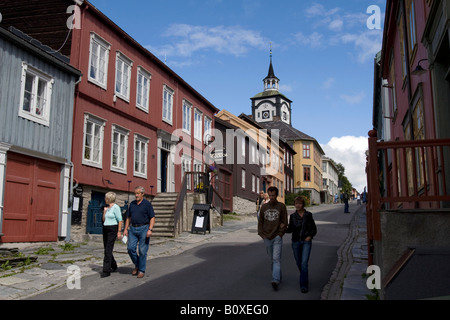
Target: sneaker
304	290
140	275
135	272
105	274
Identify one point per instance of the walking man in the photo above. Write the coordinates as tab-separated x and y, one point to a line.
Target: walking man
272	226
138	228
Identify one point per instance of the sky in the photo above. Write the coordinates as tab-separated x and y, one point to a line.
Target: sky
323	54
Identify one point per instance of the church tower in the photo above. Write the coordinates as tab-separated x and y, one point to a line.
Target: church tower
271	105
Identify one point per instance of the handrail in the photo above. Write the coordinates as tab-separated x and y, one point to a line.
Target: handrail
405	175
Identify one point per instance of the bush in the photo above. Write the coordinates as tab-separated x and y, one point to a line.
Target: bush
290	197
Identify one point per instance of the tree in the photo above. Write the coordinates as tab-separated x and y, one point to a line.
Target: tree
344	182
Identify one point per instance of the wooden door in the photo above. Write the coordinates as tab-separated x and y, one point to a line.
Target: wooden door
31	207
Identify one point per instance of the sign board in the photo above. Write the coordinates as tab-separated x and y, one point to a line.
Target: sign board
200	222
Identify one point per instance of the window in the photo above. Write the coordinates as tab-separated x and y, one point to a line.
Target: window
98	61
412	39
123	75
187	116
306	173
306	151
198	124
186	167
35	97
253	183
143	89
140	155
119	149
167	104
243	178
403	48
208	130
93	140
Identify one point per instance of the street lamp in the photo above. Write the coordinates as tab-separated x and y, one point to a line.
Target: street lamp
419	70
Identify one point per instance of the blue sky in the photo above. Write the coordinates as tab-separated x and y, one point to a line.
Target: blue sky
323	54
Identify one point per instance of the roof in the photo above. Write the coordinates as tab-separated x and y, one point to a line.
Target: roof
36	47
270	93
288	132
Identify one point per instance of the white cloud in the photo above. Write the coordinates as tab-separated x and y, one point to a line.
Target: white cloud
353	99
350	151
189	39
314	40
328	83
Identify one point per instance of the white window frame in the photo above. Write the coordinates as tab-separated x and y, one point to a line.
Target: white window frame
143	143
96	122
187	116
198	124
101	43
38	77
142	90
122	151
186	162
123	76
167	105
207	135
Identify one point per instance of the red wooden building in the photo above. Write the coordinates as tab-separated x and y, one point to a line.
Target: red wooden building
127	106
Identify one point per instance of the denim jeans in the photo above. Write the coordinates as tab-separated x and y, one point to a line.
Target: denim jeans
302	250
274	248
138	235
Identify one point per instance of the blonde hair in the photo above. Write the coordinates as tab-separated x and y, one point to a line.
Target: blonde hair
110	197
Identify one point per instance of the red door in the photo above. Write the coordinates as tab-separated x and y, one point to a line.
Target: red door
31	200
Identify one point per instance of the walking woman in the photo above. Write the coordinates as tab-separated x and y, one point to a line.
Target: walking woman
112	226
303	229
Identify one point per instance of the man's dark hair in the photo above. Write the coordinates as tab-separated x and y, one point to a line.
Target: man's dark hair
273	189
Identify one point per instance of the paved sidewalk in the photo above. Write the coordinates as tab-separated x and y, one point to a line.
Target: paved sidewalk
347	281
50	271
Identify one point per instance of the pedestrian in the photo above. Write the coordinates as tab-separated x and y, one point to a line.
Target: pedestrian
266	198
259	203
346	197
303	229
272	226
139	228
112	229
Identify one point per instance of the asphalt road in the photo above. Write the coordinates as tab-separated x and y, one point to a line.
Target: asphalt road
234	266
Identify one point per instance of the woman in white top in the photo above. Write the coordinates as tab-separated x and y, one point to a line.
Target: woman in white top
112	226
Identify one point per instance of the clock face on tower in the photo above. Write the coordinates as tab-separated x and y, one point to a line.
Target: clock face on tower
266	114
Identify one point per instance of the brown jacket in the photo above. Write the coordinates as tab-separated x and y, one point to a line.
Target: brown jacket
273	220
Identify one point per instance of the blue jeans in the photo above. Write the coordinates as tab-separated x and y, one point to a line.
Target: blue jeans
274	248
302	250
135	235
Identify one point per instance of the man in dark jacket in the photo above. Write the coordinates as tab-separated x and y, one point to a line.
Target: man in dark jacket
303	229
272	226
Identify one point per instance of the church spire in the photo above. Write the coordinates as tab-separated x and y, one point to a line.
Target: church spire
271	81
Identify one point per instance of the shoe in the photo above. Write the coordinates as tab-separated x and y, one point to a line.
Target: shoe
105	274
304	290
140	275
114	269
135	272
275	285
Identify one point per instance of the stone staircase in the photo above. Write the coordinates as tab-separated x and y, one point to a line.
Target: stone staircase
164	206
